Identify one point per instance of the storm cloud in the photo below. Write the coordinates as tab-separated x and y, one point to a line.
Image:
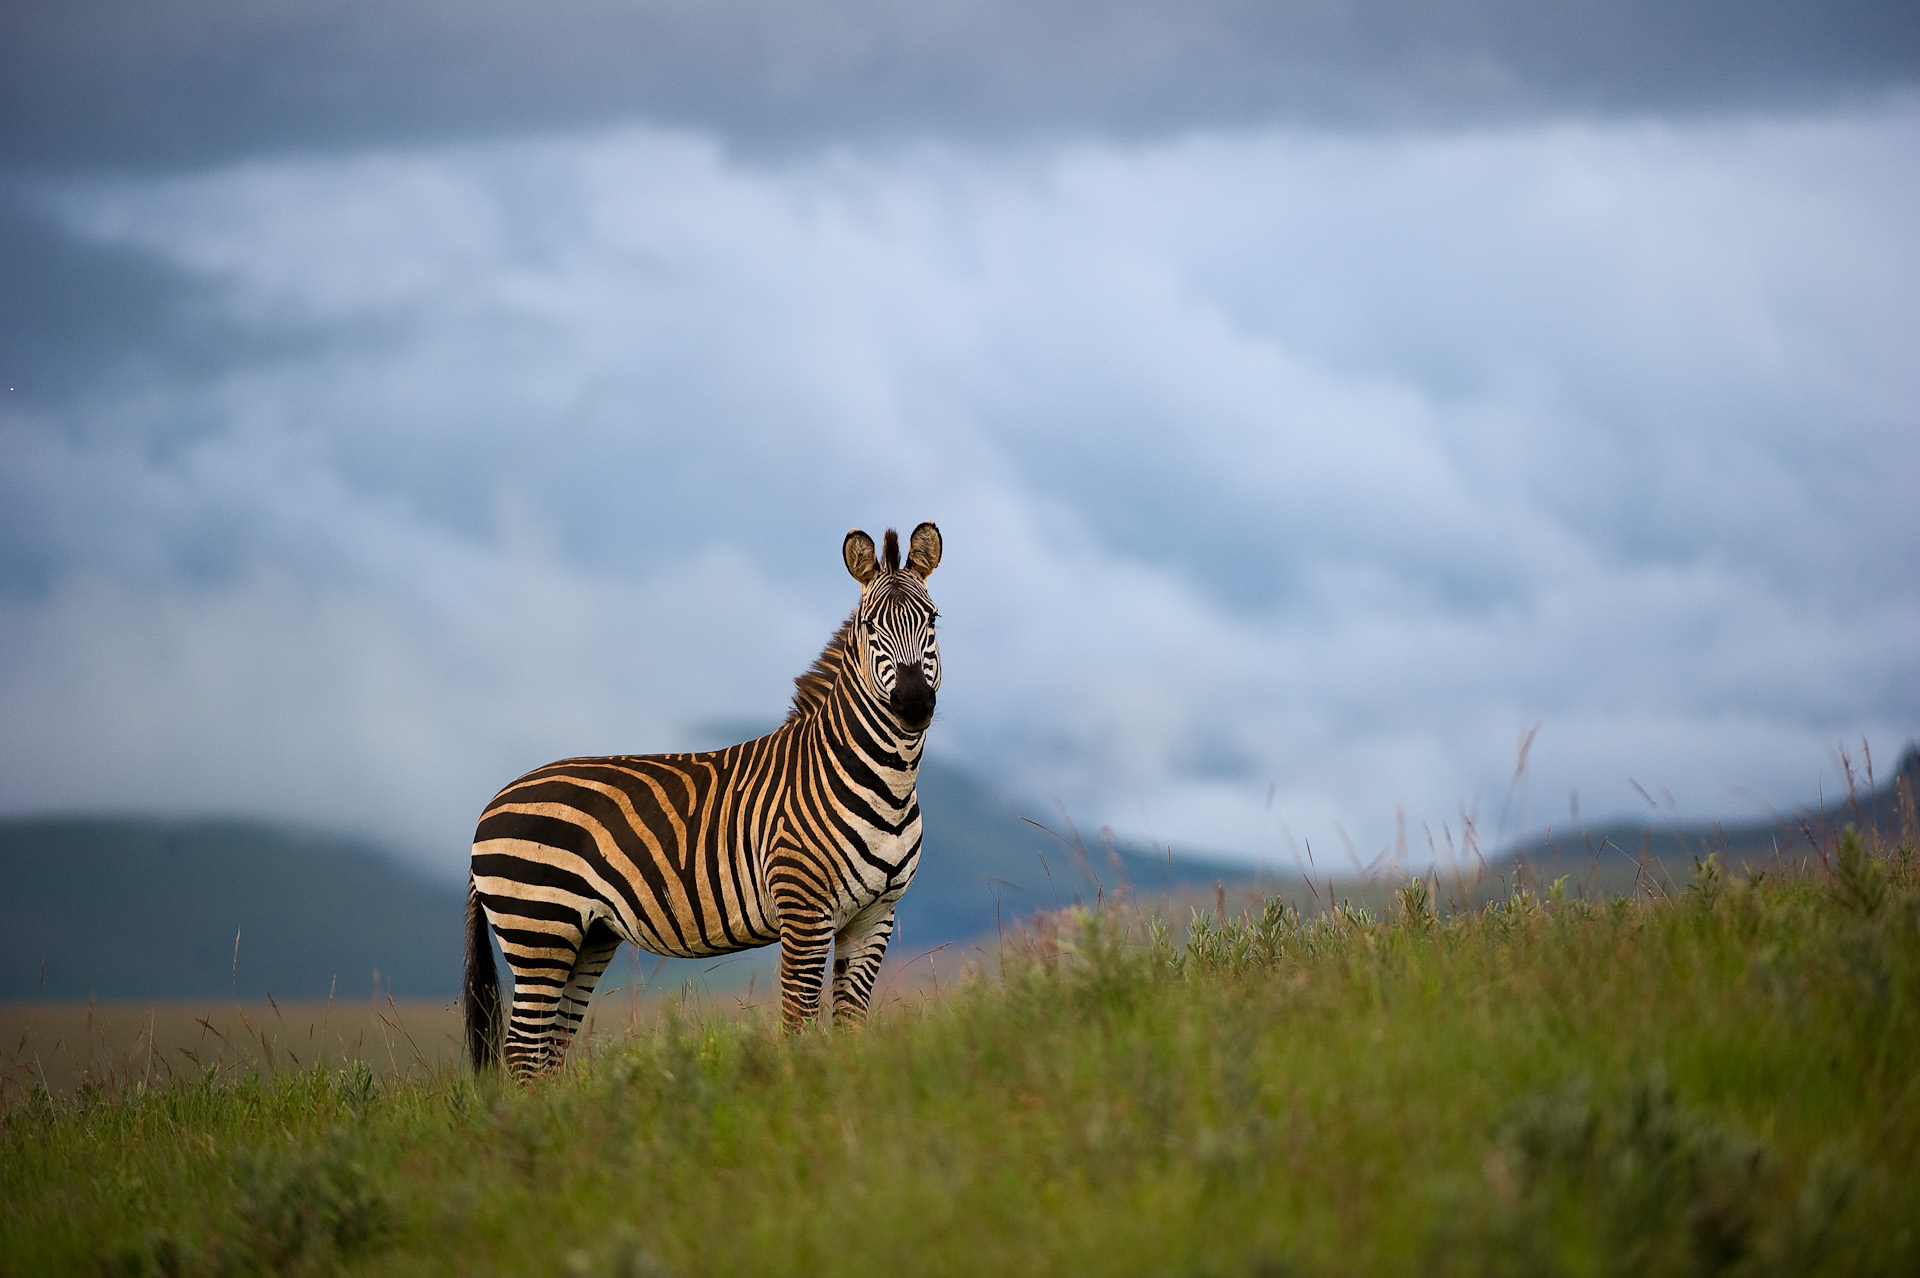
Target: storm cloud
1312	404
127	82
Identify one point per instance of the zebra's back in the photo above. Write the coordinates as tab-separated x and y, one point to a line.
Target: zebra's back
663	850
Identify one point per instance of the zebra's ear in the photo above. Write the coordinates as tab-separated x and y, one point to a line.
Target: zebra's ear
857	550
923	550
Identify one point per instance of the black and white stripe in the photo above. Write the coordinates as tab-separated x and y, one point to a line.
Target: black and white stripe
807	836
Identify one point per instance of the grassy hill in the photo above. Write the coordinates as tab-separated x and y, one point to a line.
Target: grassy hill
1654	857
1718	1081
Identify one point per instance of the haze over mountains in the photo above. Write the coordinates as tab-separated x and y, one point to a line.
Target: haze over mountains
145	908
130	907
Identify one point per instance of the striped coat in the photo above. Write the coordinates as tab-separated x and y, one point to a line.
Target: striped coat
807	836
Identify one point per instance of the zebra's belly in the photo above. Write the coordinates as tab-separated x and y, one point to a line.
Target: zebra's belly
703	951
732	940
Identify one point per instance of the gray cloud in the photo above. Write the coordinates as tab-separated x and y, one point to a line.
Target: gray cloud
1318	462
75	313
128	83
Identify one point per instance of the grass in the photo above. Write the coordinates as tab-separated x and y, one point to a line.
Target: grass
1717	1081
112	1045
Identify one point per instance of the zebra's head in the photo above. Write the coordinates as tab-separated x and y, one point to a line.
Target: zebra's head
892	645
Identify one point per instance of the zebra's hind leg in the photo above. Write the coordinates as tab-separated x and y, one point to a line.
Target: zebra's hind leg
541	954
857	950
596	951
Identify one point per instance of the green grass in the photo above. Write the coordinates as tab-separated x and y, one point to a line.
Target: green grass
1723	1081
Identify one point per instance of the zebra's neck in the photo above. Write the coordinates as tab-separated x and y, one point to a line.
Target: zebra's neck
856	719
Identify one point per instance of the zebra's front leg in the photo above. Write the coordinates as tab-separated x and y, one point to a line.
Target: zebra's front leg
804	937
857	950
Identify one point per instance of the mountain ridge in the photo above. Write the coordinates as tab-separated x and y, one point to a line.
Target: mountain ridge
197	907
147	907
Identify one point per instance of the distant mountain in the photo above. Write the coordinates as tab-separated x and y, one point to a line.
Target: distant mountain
1615	857
128	907
987	863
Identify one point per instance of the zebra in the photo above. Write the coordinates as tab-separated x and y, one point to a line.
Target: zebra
806	836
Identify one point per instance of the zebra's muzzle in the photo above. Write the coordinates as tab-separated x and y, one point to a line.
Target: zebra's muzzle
912	699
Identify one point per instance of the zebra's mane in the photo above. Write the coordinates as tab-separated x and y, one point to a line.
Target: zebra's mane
811	688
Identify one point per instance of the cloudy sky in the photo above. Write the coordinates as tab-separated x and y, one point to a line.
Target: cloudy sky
1314	398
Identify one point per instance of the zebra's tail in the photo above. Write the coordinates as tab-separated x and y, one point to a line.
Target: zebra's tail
482	994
